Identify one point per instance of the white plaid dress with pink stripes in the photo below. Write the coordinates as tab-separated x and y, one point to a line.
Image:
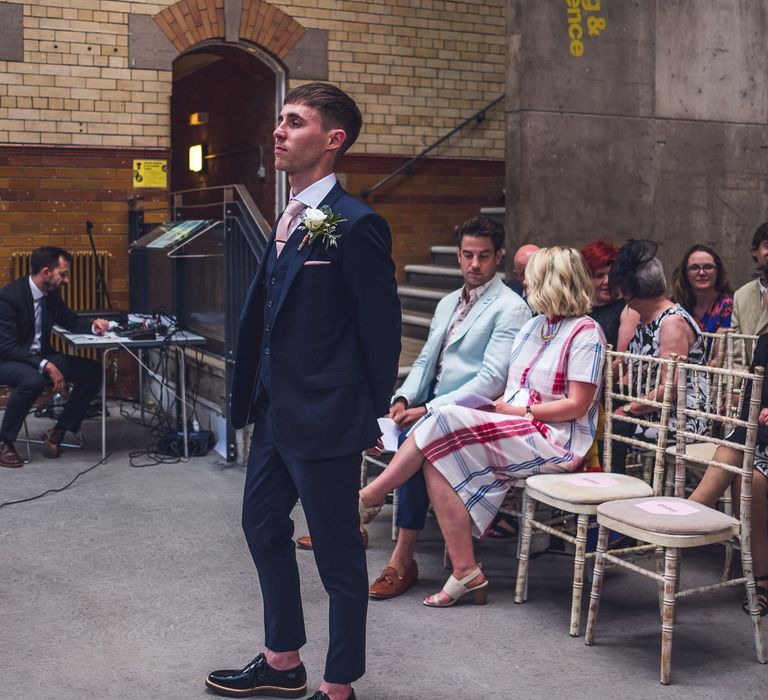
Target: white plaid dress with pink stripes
482	454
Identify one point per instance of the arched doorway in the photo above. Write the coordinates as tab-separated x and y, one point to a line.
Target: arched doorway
226	98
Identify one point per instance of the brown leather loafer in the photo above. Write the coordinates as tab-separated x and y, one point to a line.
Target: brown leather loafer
305	541
390	585
52	440
8	456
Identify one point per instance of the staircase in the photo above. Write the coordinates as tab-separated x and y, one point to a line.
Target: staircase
425	286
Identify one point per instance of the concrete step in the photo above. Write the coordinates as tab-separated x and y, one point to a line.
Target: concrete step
419	299
410	351
436	277
416	325
497	213
445	256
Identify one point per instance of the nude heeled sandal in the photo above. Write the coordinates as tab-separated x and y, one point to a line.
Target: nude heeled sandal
455	589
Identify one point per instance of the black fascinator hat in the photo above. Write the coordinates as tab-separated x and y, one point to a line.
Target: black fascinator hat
630	259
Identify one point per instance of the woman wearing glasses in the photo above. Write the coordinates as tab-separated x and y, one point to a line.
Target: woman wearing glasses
700	285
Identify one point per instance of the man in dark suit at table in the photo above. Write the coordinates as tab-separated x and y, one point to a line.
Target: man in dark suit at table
29	307
316	361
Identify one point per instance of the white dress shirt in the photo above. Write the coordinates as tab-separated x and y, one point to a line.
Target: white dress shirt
37	302
311	196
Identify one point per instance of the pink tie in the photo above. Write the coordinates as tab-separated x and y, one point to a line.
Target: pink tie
294	208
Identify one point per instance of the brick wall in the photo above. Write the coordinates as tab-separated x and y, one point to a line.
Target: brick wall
423	207
416	72
48	193
73	115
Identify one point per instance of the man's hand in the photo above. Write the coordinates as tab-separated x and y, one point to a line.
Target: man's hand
397	408
377	449
56	376
100	326
409	416
762	419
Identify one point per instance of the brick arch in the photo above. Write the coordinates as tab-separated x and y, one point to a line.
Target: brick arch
188	22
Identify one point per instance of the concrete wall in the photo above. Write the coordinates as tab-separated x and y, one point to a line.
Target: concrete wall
655	126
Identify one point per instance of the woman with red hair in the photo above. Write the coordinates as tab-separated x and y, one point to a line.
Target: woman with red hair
616	319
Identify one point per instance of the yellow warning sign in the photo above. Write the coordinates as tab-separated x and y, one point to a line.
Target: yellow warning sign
150	173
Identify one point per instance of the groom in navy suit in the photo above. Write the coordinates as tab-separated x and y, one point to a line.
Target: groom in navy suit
316	361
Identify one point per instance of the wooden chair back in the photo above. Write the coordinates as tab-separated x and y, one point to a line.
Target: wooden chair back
714	347
648	381
739	349
723	421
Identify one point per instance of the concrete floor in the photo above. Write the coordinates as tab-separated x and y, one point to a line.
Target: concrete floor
134	583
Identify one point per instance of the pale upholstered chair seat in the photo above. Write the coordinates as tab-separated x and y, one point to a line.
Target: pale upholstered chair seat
582	493
691	526
671	524
702	450
579	494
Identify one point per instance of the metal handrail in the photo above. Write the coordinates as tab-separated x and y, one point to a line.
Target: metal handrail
478	117
236	196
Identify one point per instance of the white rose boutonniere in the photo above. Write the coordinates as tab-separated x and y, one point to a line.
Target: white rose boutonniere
320	223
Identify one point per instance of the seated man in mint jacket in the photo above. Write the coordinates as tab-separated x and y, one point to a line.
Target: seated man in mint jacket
467	350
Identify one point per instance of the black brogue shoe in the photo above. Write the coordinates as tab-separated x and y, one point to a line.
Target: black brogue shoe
259	678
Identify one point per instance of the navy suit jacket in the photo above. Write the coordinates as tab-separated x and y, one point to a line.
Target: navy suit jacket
335	343
17	322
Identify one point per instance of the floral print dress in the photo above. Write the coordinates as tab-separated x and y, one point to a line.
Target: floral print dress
645	341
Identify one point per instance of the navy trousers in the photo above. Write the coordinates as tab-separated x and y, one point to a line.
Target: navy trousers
28	384
412	503
328	490
412	496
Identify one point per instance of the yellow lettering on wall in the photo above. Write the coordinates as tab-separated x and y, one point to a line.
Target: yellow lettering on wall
595	25
577	11
577	48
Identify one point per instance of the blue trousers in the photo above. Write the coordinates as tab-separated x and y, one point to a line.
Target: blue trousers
328	490
412	499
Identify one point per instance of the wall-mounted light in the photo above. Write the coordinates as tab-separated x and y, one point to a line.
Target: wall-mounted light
196	157
198	118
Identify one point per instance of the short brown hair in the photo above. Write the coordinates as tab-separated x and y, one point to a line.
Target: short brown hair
337	110
481	226
48	256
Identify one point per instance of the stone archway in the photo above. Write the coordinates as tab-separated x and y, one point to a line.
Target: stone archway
190	22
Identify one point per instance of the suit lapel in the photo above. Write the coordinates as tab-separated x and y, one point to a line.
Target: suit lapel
29	303
45	326
441	326
474	313
299	257
760	312
762	322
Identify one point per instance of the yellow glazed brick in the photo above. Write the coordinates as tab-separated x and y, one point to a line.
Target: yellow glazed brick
421	67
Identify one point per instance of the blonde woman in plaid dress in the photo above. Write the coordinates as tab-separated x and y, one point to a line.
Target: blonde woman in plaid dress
544	423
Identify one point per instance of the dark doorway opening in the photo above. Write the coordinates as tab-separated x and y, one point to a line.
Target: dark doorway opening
224	99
